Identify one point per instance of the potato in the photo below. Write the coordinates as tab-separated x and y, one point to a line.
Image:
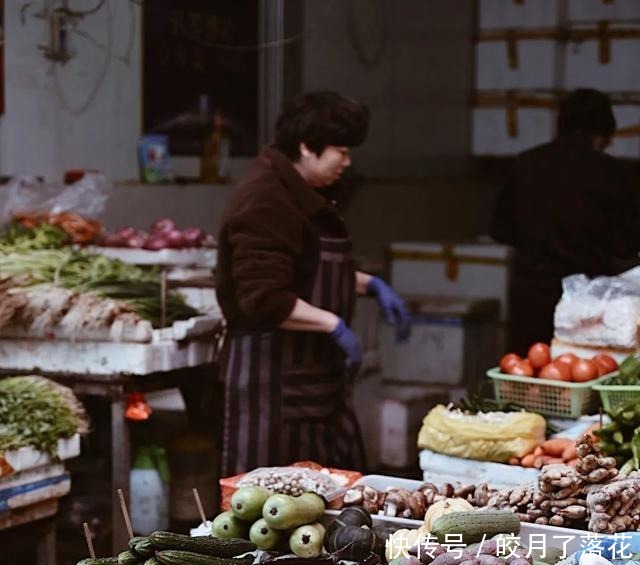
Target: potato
485	559
451	558
487	547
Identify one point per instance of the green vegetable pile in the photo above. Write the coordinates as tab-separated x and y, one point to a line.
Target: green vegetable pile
80	271
19	239
621	438
37	412
629	372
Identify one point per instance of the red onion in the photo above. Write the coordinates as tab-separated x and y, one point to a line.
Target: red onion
136	241
175	239
156	242
163	225
126	233
193	237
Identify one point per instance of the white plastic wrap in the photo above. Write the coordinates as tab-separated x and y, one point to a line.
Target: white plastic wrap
601	312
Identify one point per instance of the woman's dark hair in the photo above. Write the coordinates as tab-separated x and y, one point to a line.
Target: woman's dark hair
319	119
587	110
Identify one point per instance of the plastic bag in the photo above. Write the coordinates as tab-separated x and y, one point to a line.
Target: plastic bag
88	196
602	312
494	436
294	481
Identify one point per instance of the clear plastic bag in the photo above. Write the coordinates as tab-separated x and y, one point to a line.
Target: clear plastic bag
602	312
88	196
294	481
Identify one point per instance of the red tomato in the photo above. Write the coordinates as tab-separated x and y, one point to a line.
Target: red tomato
584	370
539	355
508	361
606	364
522	368
569	359
556	371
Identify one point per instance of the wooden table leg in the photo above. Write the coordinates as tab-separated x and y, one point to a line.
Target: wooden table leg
120	469
46	545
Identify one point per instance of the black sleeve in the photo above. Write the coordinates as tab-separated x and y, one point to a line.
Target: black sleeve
624	211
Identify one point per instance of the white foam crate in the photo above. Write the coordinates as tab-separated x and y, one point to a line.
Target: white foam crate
598	10
29	458
201	257
507	13
103	358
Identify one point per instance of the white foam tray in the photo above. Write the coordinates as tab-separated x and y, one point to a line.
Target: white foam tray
201	257
29	458
103	358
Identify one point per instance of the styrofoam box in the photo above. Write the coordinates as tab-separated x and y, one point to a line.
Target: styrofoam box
30	458
599	10
536	63
506	13
33	486
401	416
490	136
180	257
452	342
423	268
583	69
627	147
564	538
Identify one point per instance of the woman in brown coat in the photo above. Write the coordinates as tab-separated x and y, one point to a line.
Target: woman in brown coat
286	286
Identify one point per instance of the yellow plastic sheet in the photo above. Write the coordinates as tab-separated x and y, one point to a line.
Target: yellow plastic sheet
494	436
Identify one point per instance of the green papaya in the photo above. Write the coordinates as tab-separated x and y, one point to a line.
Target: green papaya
263	536
284	512
247	503
306	541
227	526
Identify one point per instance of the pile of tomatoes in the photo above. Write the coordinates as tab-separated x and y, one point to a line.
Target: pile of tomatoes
566	367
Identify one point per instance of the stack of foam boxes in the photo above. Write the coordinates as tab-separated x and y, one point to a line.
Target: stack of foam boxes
529	53
457	295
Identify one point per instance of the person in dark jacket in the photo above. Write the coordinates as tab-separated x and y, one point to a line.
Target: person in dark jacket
286	286
568	208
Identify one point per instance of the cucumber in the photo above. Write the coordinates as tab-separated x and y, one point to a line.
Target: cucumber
134	540
247	503
152	561
474	526
206	545
177	557
99	561
306	541
128	557
227	526
144	548
263	536
284	512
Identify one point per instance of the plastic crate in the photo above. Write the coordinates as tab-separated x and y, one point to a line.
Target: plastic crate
615	396
552	398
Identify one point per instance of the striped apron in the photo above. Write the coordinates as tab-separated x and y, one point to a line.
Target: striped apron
287	394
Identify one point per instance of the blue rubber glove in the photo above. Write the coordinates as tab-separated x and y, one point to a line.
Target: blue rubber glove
346	340
393	307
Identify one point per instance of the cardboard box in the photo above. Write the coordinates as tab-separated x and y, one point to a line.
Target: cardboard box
401	414
452	342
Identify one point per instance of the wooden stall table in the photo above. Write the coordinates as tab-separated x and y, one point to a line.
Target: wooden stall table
32	524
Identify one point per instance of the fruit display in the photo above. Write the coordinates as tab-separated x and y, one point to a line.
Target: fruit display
162	234
567	367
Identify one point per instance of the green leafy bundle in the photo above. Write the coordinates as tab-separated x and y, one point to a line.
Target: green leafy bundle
37	412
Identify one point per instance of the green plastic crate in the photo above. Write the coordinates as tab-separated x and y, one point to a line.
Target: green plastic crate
614	396
552	398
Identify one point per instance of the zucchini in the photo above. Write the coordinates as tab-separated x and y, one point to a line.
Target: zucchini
474	526
284	512
144	548
205	545
128	557
176	557
99	561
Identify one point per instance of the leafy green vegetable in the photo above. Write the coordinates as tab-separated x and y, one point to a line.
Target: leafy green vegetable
18	238
37	412
628	373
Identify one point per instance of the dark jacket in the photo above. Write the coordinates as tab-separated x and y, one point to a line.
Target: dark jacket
568	209
268	245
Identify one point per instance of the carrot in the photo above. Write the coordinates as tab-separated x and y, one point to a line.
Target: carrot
541	460
569	453
514	461
573	462
555	447
554	461
538	451
528	460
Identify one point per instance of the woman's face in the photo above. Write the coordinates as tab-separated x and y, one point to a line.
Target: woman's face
324	169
